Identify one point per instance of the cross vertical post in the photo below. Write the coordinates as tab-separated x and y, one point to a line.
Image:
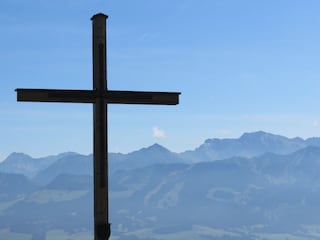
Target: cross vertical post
100	141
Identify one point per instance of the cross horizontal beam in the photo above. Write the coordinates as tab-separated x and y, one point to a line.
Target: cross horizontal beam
90	96
139	97
52	95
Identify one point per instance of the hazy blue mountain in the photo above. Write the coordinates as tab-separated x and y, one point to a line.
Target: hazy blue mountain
71	182
144	157
14	186
236	197
299	167
28	166
49	209
65	203
278	191
75	164
44	170
268	193
248	145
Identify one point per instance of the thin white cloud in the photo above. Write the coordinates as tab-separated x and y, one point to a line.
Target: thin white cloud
315	123
158	133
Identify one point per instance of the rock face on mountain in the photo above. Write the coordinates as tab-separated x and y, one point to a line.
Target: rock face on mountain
248	145
269	187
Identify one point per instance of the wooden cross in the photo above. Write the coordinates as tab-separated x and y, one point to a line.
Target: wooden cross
100	97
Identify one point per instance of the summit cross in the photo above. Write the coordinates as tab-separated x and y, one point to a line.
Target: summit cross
100	97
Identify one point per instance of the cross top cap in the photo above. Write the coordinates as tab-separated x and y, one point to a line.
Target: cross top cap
99	15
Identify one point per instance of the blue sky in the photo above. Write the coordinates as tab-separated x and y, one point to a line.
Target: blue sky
241	66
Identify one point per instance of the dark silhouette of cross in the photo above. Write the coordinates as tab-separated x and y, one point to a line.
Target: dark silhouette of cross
100	97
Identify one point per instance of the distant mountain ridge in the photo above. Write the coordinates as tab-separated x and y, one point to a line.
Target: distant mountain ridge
67	164
28	166
260	190
248	145
143	157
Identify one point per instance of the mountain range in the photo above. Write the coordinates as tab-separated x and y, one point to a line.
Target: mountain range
248	145
258	186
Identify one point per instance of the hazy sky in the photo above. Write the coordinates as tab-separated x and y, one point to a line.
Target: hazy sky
241	66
